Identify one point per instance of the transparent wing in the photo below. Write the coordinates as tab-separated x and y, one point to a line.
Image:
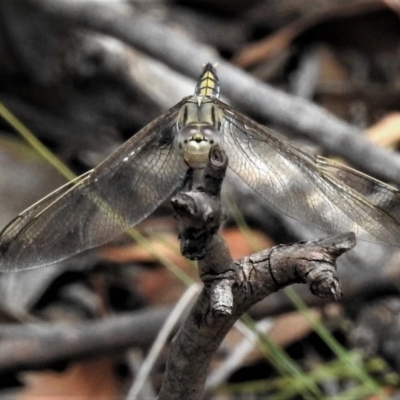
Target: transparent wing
383	196
100	204
306	188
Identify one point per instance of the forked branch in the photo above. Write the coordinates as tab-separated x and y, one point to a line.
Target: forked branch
232	287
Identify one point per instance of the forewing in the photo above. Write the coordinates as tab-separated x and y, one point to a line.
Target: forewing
101	204
293	182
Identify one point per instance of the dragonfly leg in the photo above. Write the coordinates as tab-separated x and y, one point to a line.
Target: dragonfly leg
187	183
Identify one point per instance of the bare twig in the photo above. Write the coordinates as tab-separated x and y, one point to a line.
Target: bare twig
232	288
259	276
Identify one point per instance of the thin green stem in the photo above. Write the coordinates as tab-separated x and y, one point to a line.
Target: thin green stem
35	143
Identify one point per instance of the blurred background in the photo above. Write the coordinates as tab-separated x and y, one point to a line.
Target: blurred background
83	77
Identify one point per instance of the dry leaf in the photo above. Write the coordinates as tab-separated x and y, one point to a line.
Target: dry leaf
87	380
386	133
291	327
278	41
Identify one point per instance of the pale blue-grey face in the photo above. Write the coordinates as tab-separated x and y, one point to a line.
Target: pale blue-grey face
194	142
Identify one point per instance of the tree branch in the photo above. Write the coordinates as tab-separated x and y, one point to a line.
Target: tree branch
258	276
231	288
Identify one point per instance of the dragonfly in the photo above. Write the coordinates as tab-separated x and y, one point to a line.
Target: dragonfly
132	182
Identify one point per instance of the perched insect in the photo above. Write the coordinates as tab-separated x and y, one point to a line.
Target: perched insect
148	168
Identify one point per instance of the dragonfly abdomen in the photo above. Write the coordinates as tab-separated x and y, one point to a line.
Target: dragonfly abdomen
208	83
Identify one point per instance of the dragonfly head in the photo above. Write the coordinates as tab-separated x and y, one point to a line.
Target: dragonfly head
194	143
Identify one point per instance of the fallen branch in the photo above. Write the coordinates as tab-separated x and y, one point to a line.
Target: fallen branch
40	346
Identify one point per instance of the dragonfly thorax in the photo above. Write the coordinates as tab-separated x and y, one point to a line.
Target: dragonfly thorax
199	122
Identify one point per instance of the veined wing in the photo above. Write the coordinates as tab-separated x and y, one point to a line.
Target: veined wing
380	194
100	204
307	189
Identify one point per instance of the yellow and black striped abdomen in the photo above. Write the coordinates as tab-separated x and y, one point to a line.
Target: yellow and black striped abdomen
208	83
